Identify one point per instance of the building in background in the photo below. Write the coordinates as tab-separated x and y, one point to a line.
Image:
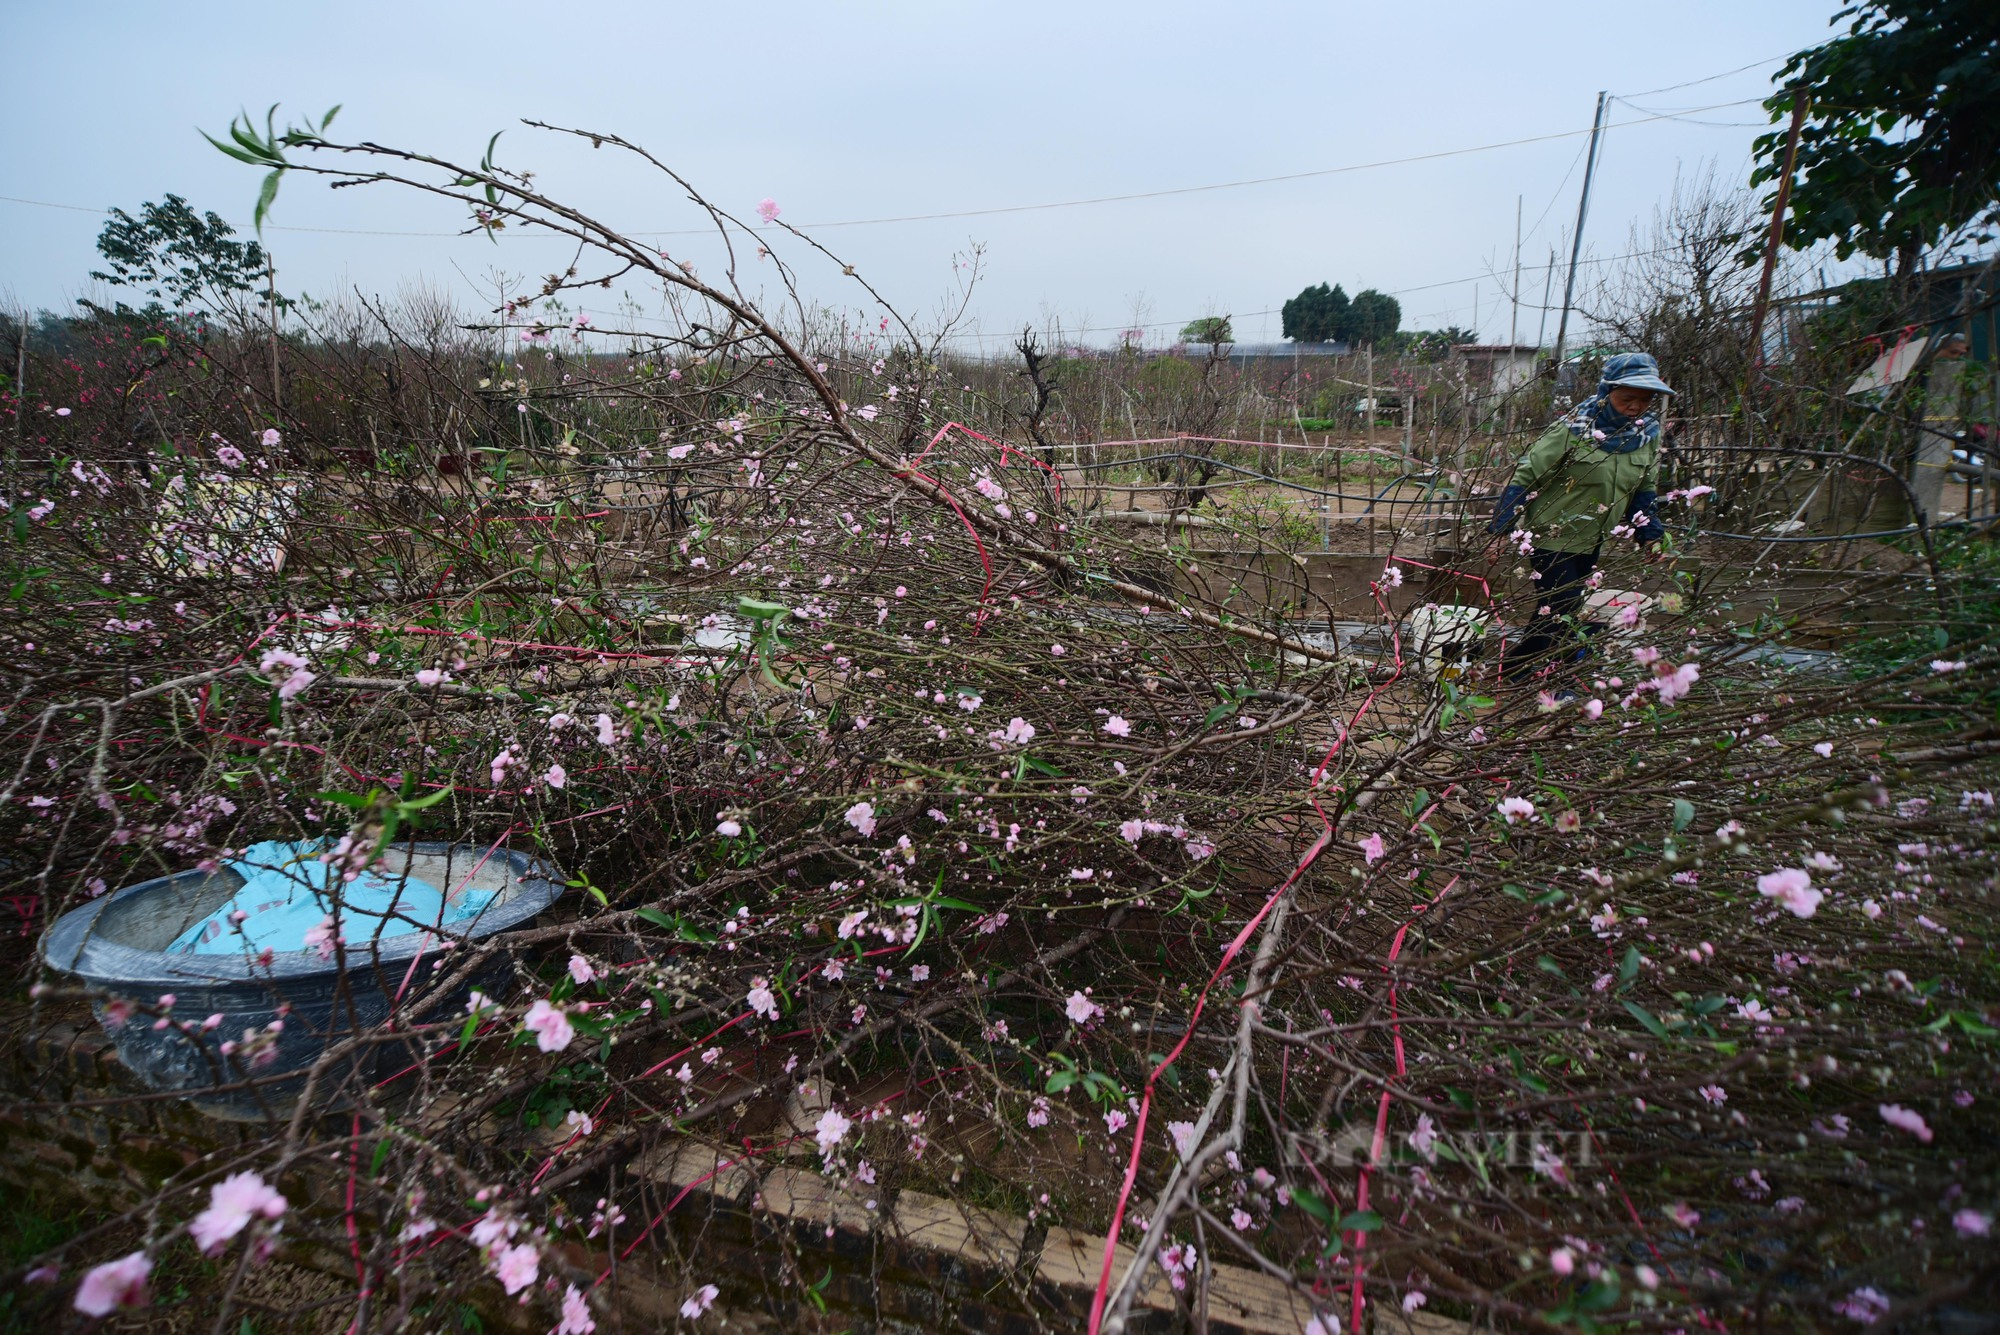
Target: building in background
1497	368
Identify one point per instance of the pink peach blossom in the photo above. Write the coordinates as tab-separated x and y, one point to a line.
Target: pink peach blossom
232	1204
551	1028
115	1284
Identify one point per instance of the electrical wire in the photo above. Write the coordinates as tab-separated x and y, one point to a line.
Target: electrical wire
1711	78
1003	210
1236	315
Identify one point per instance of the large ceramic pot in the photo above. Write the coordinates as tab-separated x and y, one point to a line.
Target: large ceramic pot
118	945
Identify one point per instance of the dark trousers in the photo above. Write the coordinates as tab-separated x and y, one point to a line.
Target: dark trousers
1561	590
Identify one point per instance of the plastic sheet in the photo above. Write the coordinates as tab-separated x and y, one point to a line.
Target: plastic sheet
287	892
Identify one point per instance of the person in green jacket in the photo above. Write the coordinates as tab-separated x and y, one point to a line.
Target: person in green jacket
1592	475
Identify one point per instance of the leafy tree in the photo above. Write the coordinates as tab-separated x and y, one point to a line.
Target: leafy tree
1315	315
1372	318
1208	329
1901	143
1430	344
178	259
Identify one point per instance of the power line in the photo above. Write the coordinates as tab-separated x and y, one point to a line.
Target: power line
338	231
1234	315
1711	78
1685	119
44	204
1230	185
1002	210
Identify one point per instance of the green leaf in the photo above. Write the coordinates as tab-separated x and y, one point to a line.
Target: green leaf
658	919
1601	1295
1311	1203
1547	964
924	921
265	196
1547	898
959	904
1683	814
1217	714
1361	1221
1628	968
1973	1025
425	803
1460	1099
327	119
381	1157
247	140
1042	767
1059	1081
349	800
1646	1018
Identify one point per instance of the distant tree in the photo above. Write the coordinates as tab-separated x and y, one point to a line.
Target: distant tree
1208	329
1372	317
1430	344
180	260
1901	144
1315	315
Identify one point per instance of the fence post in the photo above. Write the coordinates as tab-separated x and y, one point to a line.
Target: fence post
1371	396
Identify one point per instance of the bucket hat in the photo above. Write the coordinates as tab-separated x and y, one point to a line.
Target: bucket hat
1634	370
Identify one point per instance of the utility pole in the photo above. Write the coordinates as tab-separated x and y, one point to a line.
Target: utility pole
1576	242
271	276
1514	321
1514	318
1548	286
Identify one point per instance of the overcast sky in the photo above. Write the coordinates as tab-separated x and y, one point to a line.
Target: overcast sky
846	112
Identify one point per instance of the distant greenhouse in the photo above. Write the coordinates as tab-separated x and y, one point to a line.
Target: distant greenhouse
1256	352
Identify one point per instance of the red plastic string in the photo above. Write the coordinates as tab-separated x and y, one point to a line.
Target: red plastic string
1360	1238
1229	955
1235	947
353	1231
1007	452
